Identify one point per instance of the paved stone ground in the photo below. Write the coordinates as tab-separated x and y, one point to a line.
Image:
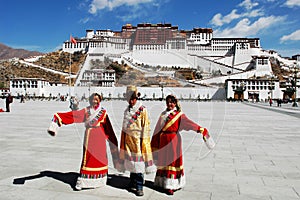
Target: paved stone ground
257	155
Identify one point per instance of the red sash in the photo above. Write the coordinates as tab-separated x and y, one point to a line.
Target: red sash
135	116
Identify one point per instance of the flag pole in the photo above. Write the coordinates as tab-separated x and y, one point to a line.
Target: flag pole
70	75
72	41
70	68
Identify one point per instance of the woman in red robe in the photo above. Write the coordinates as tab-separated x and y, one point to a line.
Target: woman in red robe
167	146
94	165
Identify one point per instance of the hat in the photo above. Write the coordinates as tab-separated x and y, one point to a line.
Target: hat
131	92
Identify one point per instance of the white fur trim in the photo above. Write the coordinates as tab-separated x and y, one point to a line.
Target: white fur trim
151	169
210	143
169	183
90	183
53	128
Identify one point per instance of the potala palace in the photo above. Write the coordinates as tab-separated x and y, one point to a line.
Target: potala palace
166	45
236	60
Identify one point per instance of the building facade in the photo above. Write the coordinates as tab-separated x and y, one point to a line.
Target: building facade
256	89
98	77
31	86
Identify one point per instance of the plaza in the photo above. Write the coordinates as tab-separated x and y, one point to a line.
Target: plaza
256	154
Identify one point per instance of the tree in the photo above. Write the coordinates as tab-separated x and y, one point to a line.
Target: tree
2	85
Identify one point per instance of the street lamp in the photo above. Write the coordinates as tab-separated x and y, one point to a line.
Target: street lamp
89	88
295	72
162	90
25	88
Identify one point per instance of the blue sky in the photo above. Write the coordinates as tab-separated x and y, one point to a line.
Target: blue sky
43	25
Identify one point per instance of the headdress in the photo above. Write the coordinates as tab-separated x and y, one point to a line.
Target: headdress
131	92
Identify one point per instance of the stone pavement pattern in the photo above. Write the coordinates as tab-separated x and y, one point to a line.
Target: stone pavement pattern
257	155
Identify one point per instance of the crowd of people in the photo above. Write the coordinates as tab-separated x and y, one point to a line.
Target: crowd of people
138	152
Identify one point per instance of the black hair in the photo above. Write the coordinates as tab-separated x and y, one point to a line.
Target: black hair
173	100
92	97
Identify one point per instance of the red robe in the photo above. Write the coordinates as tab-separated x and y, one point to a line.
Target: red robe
98	130
167	149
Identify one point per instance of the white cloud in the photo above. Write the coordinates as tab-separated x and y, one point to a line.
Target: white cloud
216	20
111	4
98	5
254	13
248	4
244	28
292	3
219	20
293	36
84	20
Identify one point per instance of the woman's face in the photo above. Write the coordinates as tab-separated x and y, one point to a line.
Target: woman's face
170	104
96	101
132	101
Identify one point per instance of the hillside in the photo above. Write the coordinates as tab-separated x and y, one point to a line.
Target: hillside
8	53
125	75
59	61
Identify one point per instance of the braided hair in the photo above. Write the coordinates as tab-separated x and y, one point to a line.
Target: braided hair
173	99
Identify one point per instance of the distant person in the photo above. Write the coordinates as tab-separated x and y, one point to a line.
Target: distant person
270	102
83	98
135	149
74	103
8	101
22	99
94	165
166	145
279	102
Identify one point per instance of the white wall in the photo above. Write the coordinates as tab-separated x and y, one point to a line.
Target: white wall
186	92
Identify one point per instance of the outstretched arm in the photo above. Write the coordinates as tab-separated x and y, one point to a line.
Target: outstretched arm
187	124
65	118
71	117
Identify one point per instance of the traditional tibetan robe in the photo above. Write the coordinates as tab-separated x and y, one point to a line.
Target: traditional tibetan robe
94	166
135	147
167	148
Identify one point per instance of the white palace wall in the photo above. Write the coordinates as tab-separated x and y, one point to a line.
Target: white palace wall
117	92
163	57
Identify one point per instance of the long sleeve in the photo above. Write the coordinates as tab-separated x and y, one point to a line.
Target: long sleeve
187	124
145	134
155	140
71	117
112	140
122	147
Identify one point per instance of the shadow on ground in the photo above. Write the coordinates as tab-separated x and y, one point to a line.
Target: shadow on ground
69	178
122	182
